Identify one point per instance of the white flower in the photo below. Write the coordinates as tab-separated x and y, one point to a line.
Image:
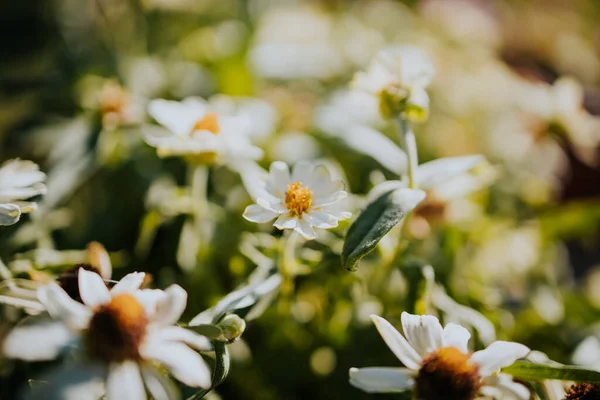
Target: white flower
438	362
19	180
121	333
194	130
305	199
398	77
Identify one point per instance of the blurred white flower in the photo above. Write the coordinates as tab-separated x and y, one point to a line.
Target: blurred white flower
398	77
122	332
304	199
19	181
438	363
195	131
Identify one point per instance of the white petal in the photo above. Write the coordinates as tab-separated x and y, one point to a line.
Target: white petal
149	299
320	219
63	308
302	172
504	384
9	214
125	382
256	213
185	365
330	199
423	332
381	380
175	116
456	336
285	221
275	207
71	381
407	199
129	284
304	228
179	334
159	386
376	145
433	173
37	339
396	342
170	308
382	188
498	355
92	289
279	173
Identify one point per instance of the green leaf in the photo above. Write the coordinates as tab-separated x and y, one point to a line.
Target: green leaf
530	371
375	221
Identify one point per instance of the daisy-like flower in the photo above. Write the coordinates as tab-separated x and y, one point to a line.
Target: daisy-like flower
195	131
305	199
19	181
439	364
397	77
121	333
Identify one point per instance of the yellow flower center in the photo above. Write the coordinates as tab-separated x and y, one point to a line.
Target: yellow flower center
117	329
448	374
298	198
210	122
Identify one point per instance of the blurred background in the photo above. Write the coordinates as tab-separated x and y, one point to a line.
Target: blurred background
517	81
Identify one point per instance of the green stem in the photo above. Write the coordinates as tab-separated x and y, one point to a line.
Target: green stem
220	372
198	182
407	137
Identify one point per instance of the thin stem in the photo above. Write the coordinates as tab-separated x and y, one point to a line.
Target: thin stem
407	137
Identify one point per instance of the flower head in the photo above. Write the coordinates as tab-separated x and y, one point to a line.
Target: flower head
304	199
398	77
19	181
439	365
194	130
120	332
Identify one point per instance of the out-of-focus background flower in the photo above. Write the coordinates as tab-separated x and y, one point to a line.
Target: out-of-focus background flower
517	81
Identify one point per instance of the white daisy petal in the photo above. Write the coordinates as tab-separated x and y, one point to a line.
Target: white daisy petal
179	334
256	213
129	284
124	382
502	385
175	116
320	219
423	332
272	206
285	221
92	289
36	340
170	308
304	228
63	308
149	298
159	386
397	344
183	363
433	173
456	336
381	380
498	355
302	172
279	173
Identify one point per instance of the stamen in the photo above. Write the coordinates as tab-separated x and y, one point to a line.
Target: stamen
448	374
298	198
117	329
210	122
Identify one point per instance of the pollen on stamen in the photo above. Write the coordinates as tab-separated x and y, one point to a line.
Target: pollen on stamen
298	198
448	374
210	122
117	329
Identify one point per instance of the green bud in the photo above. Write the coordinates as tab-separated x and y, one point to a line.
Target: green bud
232	327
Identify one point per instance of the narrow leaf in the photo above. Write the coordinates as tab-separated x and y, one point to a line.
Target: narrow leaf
529	371
375	221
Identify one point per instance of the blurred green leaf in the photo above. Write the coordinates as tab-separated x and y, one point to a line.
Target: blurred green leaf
375	221
529	371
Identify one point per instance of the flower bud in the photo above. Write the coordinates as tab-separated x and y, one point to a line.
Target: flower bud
232	327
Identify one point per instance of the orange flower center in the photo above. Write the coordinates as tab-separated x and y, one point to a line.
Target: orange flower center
298	198
117	329
448	374
210	122
113	98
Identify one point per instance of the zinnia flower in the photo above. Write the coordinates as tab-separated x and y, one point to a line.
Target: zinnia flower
121	333
305	199
439	364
